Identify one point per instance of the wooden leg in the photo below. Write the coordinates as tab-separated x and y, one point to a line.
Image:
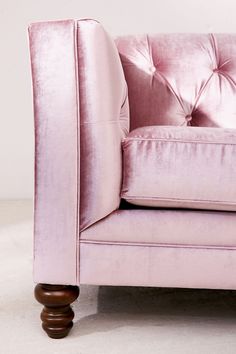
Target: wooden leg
57	314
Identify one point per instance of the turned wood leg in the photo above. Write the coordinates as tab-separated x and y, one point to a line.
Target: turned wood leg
57	314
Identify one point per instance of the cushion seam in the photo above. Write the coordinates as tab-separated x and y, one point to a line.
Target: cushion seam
176	199
152	244
176	141
101	122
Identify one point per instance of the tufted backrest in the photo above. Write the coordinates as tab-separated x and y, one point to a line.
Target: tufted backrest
180	79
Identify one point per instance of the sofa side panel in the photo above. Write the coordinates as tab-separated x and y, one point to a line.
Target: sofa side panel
54	72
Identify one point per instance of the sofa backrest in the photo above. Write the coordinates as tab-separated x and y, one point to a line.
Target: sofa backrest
180	79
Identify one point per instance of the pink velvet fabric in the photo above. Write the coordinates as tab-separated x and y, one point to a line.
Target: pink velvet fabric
196	228
186	167
54	65
104	121
180	79
140	265
81	115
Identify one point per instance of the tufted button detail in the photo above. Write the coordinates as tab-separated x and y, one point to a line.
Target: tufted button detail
152	69
188	117
216	70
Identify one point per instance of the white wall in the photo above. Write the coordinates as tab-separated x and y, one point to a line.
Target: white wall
119	17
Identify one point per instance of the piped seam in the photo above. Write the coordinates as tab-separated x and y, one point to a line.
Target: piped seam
160	245
126	140
128	197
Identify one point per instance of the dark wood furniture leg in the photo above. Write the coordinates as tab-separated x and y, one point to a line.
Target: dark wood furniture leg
57	314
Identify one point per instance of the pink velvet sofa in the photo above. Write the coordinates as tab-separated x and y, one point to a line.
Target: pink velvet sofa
135	162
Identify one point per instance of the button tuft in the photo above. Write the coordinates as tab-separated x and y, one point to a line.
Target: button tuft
188	117
152	69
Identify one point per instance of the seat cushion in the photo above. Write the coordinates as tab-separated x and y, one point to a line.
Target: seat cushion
186	167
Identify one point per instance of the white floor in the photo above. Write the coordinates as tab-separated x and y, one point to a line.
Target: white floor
108	320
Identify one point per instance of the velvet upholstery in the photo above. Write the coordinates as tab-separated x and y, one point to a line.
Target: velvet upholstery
142	265
104	121
53	58
81	114
186	167
195	228
180	79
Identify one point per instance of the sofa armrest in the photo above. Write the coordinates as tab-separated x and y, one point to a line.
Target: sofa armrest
81	116
104	122
53	59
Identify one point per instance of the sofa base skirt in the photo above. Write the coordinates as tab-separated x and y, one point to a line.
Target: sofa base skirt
157	265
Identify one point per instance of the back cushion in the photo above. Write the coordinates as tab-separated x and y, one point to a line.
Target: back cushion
180	79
